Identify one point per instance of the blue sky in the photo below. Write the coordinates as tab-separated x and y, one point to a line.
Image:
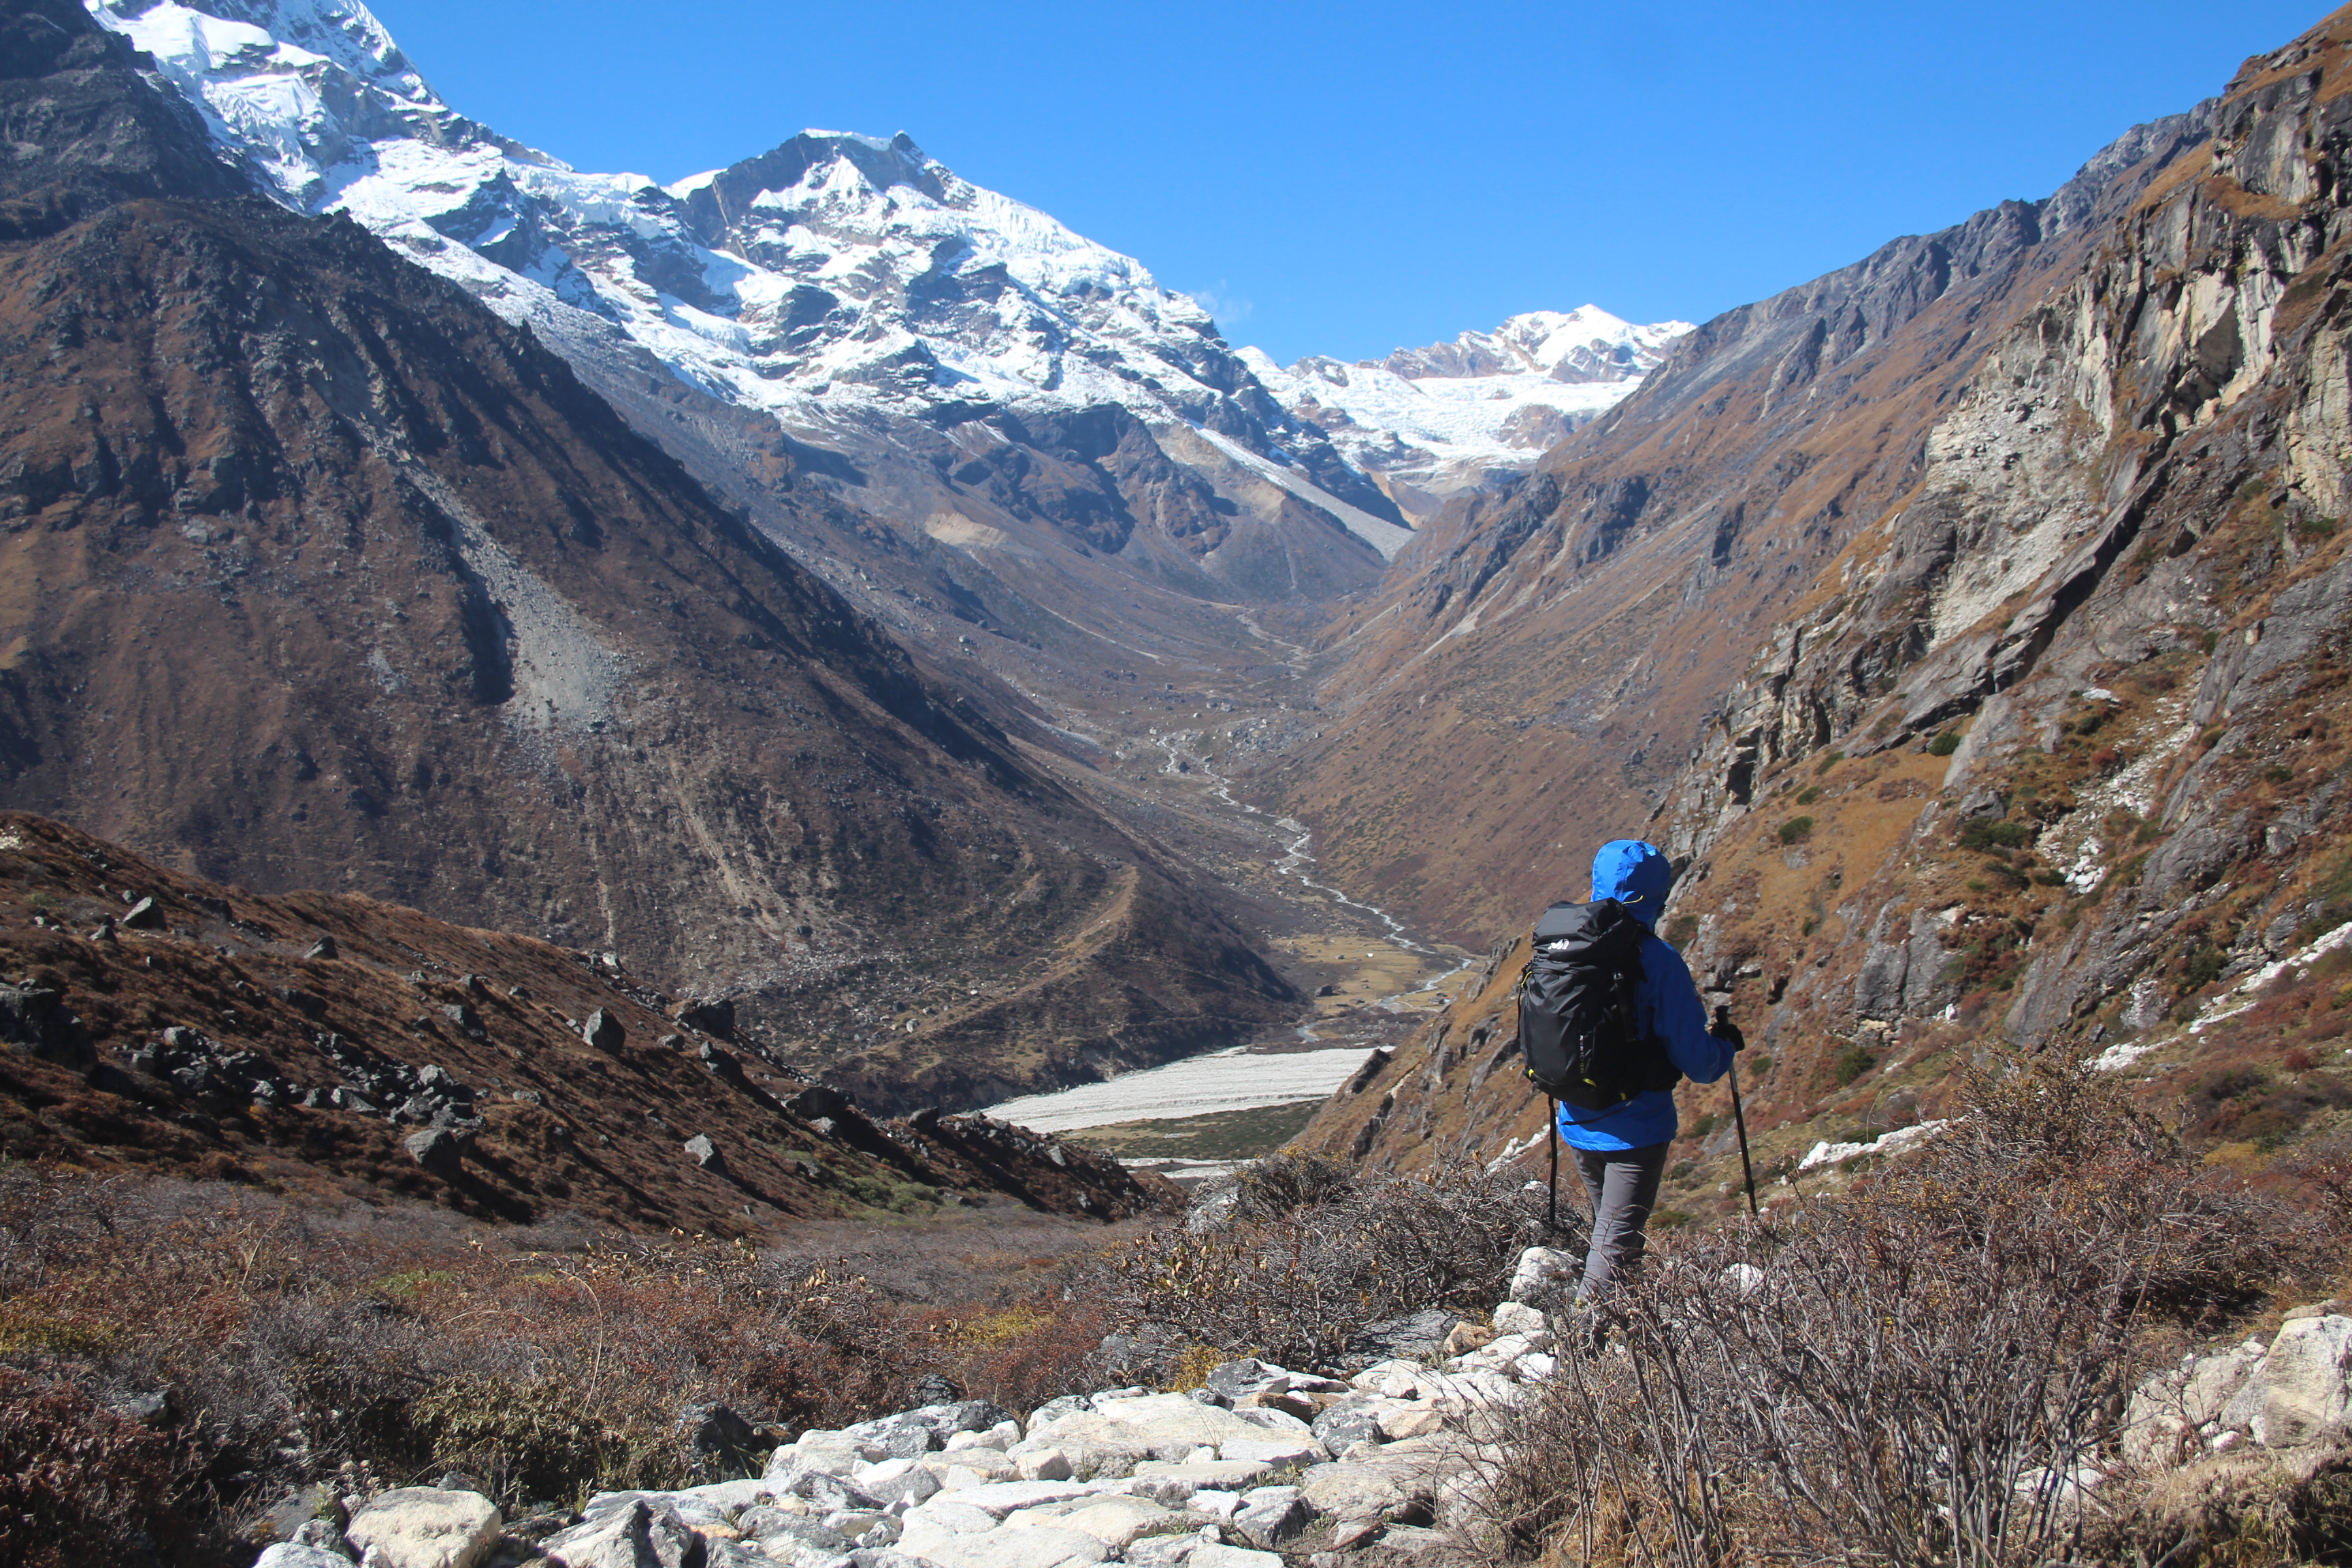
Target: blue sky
1343	179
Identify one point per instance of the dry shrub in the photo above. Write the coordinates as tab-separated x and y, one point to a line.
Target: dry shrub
2242	1511
539	1437
2325	1170
549	1362
1304	1262
81	1487
1021	1357
1911	1373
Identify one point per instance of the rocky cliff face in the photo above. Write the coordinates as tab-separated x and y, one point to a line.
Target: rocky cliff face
2048	749
1546	659
321	575
2116	584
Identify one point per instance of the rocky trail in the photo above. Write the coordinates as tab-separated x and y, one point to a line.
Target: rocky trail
1257	1466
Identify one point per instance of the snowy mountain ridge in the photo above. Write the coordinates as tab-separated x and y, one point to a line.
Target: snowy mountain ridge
839	282
1585	344
1428	422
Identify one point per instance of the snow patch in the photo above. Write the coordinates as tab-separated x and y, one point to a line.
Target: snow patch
1446	416
2241	996
1894	1143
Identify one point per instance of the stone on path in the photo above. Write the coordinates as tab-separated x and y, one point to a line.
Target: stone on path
1044	1465
637	1535
895	1480
1043	1547
1544	1274
1271	1515
296	1555
2308	1399
1274	1448
425	1527
1218	1556
1515	1318
1113	1521
1151	1426
1174	1484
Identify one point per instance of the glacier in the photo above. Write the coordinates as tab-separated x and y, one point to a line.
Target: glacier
1430	422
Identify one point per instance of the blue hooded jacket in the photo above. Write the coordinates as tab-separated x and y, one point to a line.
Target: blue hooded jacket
1667	1005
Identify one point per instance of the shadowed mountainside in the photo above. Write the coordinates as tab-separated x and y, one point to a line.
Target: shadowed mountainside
319	575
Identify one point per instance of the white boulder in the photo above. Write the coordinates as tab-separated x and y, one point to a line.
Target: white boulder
425	1527
296	1555
2309	1395
1545	1274
1517	1318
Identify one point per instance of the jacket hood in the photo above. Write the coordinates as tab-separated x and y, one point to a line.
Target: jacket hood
1635	875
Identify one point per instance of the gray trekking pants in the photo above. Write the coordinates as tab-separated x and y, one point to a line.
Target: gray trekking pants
1623	1185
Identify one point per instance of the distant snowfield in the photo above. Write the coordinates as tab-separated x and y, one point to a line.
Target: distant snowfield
1199	1086
1444	414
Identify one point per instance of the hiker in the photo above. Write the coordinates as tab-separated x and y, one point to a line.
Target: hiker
1618	1129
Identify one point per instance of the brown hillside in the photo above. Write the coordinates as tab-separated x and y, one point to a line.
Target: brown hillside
315	573
2052	757
301	1042
1545	660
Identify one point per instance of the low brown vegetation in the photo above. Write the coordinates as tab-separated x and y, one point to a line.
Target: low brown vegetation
389	1345
1922	1371
1310	1255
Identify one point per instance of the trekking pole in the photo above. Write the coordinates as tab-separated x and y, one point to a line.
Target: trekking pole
1551	1137
1739	1118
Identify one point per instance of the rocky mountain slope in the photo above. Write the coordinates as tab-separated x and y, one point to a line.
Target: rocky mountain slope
1427	423
320	574
1062	445
340	1047
1546	657
2047	751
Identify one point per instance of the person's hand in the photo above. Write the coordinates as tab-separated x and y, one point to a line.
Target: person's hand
1727	1031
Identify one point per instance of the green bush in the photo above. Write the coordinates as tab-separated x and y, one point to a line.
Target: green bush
1852	1063
1987	832
1796	830
1945	744
1833	760
1807	796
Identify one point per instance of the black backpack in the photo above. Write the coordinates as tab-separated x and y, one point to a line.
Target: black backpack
1578	1030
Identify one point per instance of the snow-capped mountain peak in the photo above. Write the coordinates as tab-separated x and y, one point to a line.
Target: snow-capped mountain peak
835	280
1585	344
1427	422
